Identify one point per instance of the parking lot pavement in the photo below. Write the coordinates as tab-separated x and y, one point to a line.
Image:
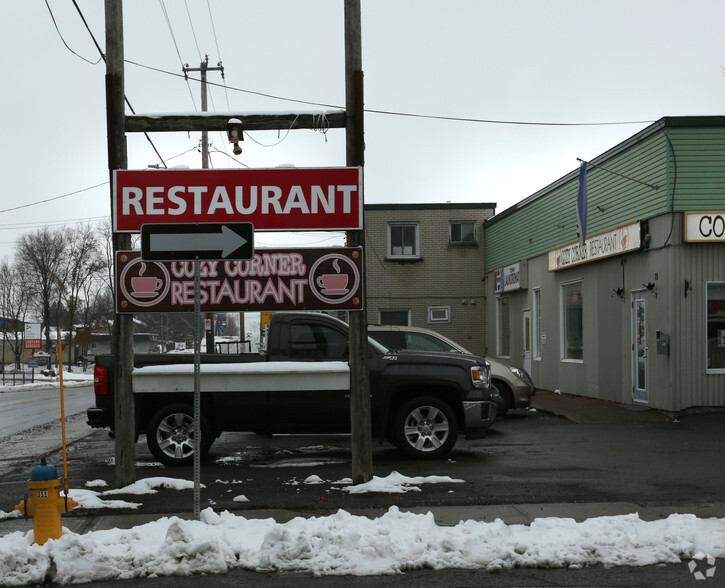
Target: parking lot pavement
269	477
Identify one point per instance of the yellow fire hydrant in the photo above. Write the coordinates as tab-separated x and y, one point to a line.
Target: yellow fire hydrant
45	503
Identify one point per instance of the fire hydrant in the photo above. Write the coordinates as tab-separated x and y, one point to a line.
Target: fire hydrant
45	503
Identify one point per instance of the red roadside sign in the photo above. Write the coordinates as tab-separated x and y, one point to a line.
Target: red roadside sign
278	199
274	279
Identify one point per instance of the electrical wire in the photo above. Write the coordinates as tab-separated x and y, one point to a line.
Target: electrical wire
34	225
410	114
103	56
176	46
55	24
218	51
54	198
193	31
77	191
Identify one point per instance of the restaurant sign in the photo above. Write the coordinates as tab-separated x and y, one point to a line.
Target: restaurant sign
279	199
274	279
615	242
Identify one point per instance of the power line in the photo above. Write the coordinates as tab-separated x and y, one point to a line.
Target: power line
103	56
32	225
76	191
55	24
54	198
176	46
407	114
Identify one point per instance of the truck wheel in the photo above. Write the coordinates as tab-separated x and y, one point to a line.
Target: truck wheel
425	428
170	435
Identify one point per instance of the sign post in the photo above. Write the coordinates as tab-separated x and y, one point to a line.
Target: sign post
210	242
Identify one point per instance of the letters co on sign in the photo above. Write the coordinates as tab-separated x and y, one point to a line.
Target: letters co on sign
705	227
279	199
274	279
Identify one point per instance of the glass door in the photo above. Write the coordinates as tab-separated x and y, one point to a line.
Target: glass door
527	341
640	347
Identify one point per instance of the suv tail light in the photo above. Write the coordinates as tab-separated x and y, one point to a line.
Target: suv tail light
100	381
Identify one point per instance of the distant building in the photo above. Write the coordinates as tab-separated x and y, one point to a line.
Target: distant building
425	268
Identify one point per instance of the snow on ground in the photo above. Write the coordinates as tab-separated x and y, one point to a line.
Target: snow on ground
342	543
78	377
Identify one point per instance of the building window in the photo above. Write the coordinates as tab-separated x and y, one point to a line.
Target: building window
439	314
716	327
504	327
395	317
403	240
463	232
571	321
537	324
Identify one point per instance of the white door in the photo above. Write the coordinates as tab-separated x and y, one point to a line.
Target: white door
527	341
640	348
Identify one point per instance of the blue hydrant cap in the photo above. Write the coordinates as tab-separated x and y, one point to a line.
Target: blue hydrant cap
43	472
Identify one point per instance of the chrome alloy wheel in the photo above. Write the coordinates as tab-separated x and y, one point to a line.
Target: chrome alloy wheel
175	435
426	428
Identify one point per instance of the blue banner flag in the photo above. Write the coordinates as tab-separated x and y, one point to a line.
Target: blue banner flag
581	204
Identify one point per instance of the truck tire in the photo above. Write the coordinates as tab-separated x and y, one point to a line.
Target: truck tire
170	435
425	427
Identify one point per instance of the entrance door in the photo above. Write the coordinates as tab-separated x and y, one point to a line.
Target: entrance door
640	347
527	341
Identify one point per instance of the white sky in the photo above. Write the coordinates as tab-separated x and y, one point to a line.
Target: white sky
562	61
342	543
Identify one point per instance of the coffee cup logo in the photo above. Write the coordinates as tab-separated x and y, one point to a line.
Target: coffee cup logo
334	278
333	284
142	284
145	287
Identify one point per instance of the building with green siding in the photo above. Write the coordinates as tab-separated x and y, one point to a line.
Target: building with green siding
637	313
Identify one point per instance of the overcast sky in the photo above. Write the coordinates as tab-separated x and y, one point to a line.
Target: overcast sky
532	61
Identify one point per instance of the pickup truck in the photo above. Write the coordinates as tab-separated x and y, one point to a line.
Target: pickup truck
420	402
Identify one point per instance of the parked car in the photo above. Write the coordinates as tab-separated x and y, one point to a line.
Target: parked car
513	383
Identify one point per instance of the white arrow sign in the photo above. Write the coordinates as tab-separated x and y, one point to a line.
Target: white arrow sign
197	241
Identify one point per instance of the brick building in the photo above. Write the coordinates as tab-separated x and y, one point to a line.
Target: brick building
425	268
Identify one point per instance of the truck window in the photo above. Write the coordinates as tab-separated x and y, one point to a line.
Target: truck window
317	341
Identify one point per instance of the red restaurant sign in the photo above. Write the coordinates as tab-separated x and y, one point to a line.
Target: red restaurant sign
279	199
275	279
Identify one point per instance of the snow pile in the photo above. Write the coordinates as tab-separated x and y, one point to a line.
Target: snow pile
346	544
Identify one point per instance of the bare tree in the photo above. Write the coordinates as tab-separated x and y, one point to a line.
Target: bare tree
14	302
83	264
105	238
41	255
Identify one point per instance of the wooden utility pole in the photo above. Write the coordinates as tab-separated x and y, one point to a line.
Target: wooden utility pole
351	119
360	418
203	68
124	424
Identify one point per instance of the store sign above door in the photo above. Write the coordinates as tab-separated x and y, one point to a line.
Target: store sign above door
279	199
614	242
705	227
511	277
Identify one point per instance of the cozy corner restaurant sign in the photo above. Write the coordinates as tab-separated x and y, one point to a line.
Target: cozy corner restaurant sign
599	246
279	199
274	279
